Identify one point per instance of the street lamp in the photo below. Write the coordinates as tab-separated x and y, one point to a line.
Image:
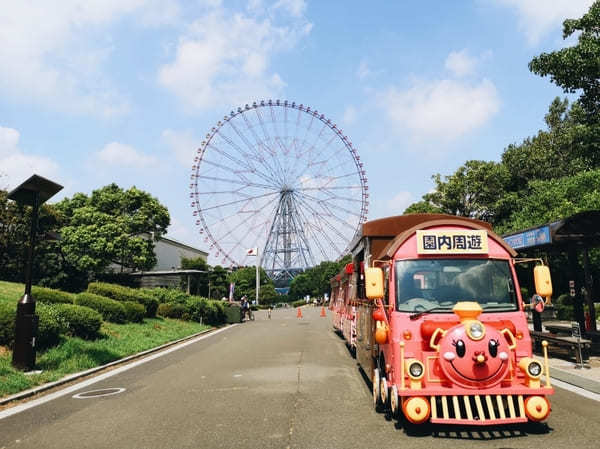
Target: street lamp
33	192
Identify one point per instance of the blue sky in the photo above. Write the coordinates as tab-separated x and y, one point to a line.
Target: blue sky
93	92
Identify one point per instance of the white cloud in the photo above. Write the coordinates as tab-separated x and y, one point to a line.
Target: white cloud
53	53
445	109
183	144
16	166
224	59
538	17
120	154
295	8
460	63
363	70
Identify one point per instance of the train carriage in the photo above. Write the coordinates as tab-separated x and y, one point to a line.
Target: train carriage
434	312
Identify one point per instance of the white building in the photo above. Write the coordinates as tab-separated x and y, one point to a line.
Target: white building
169	253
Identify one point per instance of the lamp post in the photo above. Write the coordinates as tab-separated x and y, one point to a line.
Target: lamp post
33	192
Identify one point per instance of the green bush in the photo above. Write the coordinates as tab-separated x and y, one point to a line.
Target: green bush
206	310
233	313
173	310
135	311
166	295
299	303
7	323
564	300
81	321
110	309
122	294
565	312
51	296
50	326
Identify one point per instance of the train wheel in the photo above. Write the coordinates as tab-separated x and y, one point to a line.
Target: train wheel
376	385
394	402
383	391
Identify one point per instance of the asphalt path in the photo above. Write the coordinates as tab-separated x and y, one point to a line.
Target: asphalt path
279	383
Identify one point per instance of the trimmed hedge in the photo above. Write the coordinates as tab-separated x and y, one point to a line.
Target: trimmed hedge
135	312
51	296
299	303
173	310
7	323
110	309
206	310
81	321
50	325
233	313
166	295
122	294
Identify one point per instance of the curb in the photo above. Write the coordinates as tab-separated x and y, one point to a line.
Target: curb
574	379
71	377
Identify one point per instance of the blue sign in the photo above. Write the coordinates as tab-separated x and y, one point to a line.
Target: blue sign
533	237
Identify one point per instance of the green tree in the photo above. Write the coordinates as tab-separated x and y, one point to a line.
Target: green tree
111	226
553	199
219	284
471	191
198	282
15	224
245	281
576	68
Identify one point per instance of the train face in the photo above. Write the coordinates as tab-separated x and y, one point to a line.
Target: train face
444	337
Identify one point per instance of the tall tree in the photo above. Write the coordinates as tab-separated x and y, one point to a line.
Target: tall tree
576	68
111	226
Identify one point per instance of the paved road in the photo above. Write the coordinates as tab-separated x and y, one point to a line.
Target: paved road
266	384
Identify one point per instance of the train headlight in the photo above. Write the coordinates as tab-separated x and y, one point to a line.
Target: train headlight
534	369
416	370
475	330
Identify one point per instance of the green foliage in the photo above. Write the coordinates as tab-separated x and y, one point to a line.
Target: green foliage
299	303
575	68
80	321
120	293
134	311
166	295
205	310
50	326
245	281
553	199
173	310
110	309
219	284
51	296
315	281
198	282
110	226
7	323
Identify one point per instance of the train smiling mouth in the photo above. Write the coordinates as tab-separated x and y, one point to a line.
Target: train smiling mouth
478	380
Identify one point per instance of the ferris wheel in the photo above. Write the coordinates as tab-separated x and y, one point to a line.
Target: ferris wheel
282	178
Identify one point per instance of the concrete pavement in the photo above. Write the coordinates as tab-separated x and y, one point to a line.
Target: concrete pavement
280	383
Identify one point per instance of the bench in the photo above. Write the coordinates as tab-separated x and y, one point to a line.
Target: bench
565	342
558	328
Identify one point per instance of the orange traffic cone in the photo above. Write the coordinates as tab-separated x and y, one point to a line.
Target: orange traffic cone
323	314
299	314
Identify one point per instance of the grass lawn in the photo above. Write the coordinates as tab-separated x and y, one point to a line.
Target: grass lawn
74	354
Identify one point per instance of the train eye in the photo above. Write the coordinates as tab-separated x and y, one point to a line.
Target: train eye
460	348
493	346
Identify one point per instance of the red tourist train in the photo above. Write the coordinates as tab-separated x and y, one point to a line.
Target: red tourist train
431	307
